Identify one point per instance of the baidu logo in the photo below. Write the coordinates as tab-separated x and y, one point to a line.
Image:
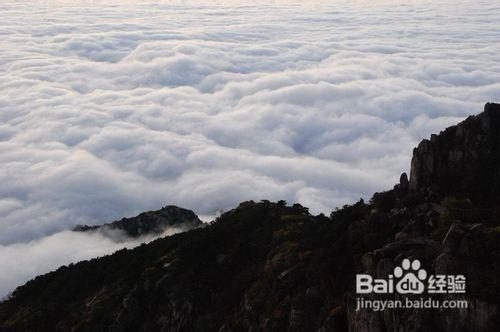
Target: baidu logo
410	278
407	279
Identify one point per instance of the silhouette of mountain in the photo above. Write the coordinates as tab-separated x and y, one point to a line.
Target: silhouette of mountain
152	222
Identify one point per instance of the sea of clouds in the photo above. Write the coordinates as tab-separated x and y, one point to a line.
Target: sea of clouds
108	108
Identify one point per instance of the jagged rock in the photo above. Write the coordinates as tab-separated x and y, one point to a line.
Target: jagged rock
462	160
404	184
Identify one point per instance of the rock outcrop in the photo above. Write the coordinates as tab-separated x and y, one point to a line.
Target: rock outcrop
152	222
463	160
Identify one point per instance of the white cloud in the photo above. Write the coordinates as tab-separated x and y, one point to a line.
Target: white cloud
107	110
24	261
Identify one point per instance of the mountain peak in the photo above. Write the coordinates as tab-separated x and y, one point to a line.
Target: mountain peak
152	222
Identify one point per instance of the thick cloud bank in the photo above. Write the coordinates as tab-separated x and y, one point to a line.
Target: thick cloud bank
110	109
23	261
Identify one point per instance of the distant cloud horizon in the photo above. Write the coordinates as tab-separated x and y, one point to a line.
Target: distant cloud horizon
109	110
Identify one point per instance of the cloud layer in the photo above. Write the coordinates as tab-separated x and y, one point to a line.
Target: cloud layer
21	262
107	110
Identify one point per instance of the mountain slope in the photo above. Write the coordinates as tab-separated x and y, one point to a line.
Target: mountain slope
272	267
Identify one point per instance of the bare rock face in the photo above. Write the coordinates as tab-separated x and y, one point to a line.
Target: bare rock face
463	160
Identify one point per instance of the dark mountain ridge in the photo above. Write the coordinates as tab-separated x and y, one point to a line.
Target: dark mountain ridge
272	267
152	222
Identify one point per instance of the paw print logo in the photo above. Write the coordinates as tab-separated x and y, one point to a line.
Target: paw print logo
411	277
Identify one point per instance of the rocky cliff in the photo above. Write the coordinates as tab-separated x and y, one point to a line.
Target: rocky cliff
274	267
463	160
